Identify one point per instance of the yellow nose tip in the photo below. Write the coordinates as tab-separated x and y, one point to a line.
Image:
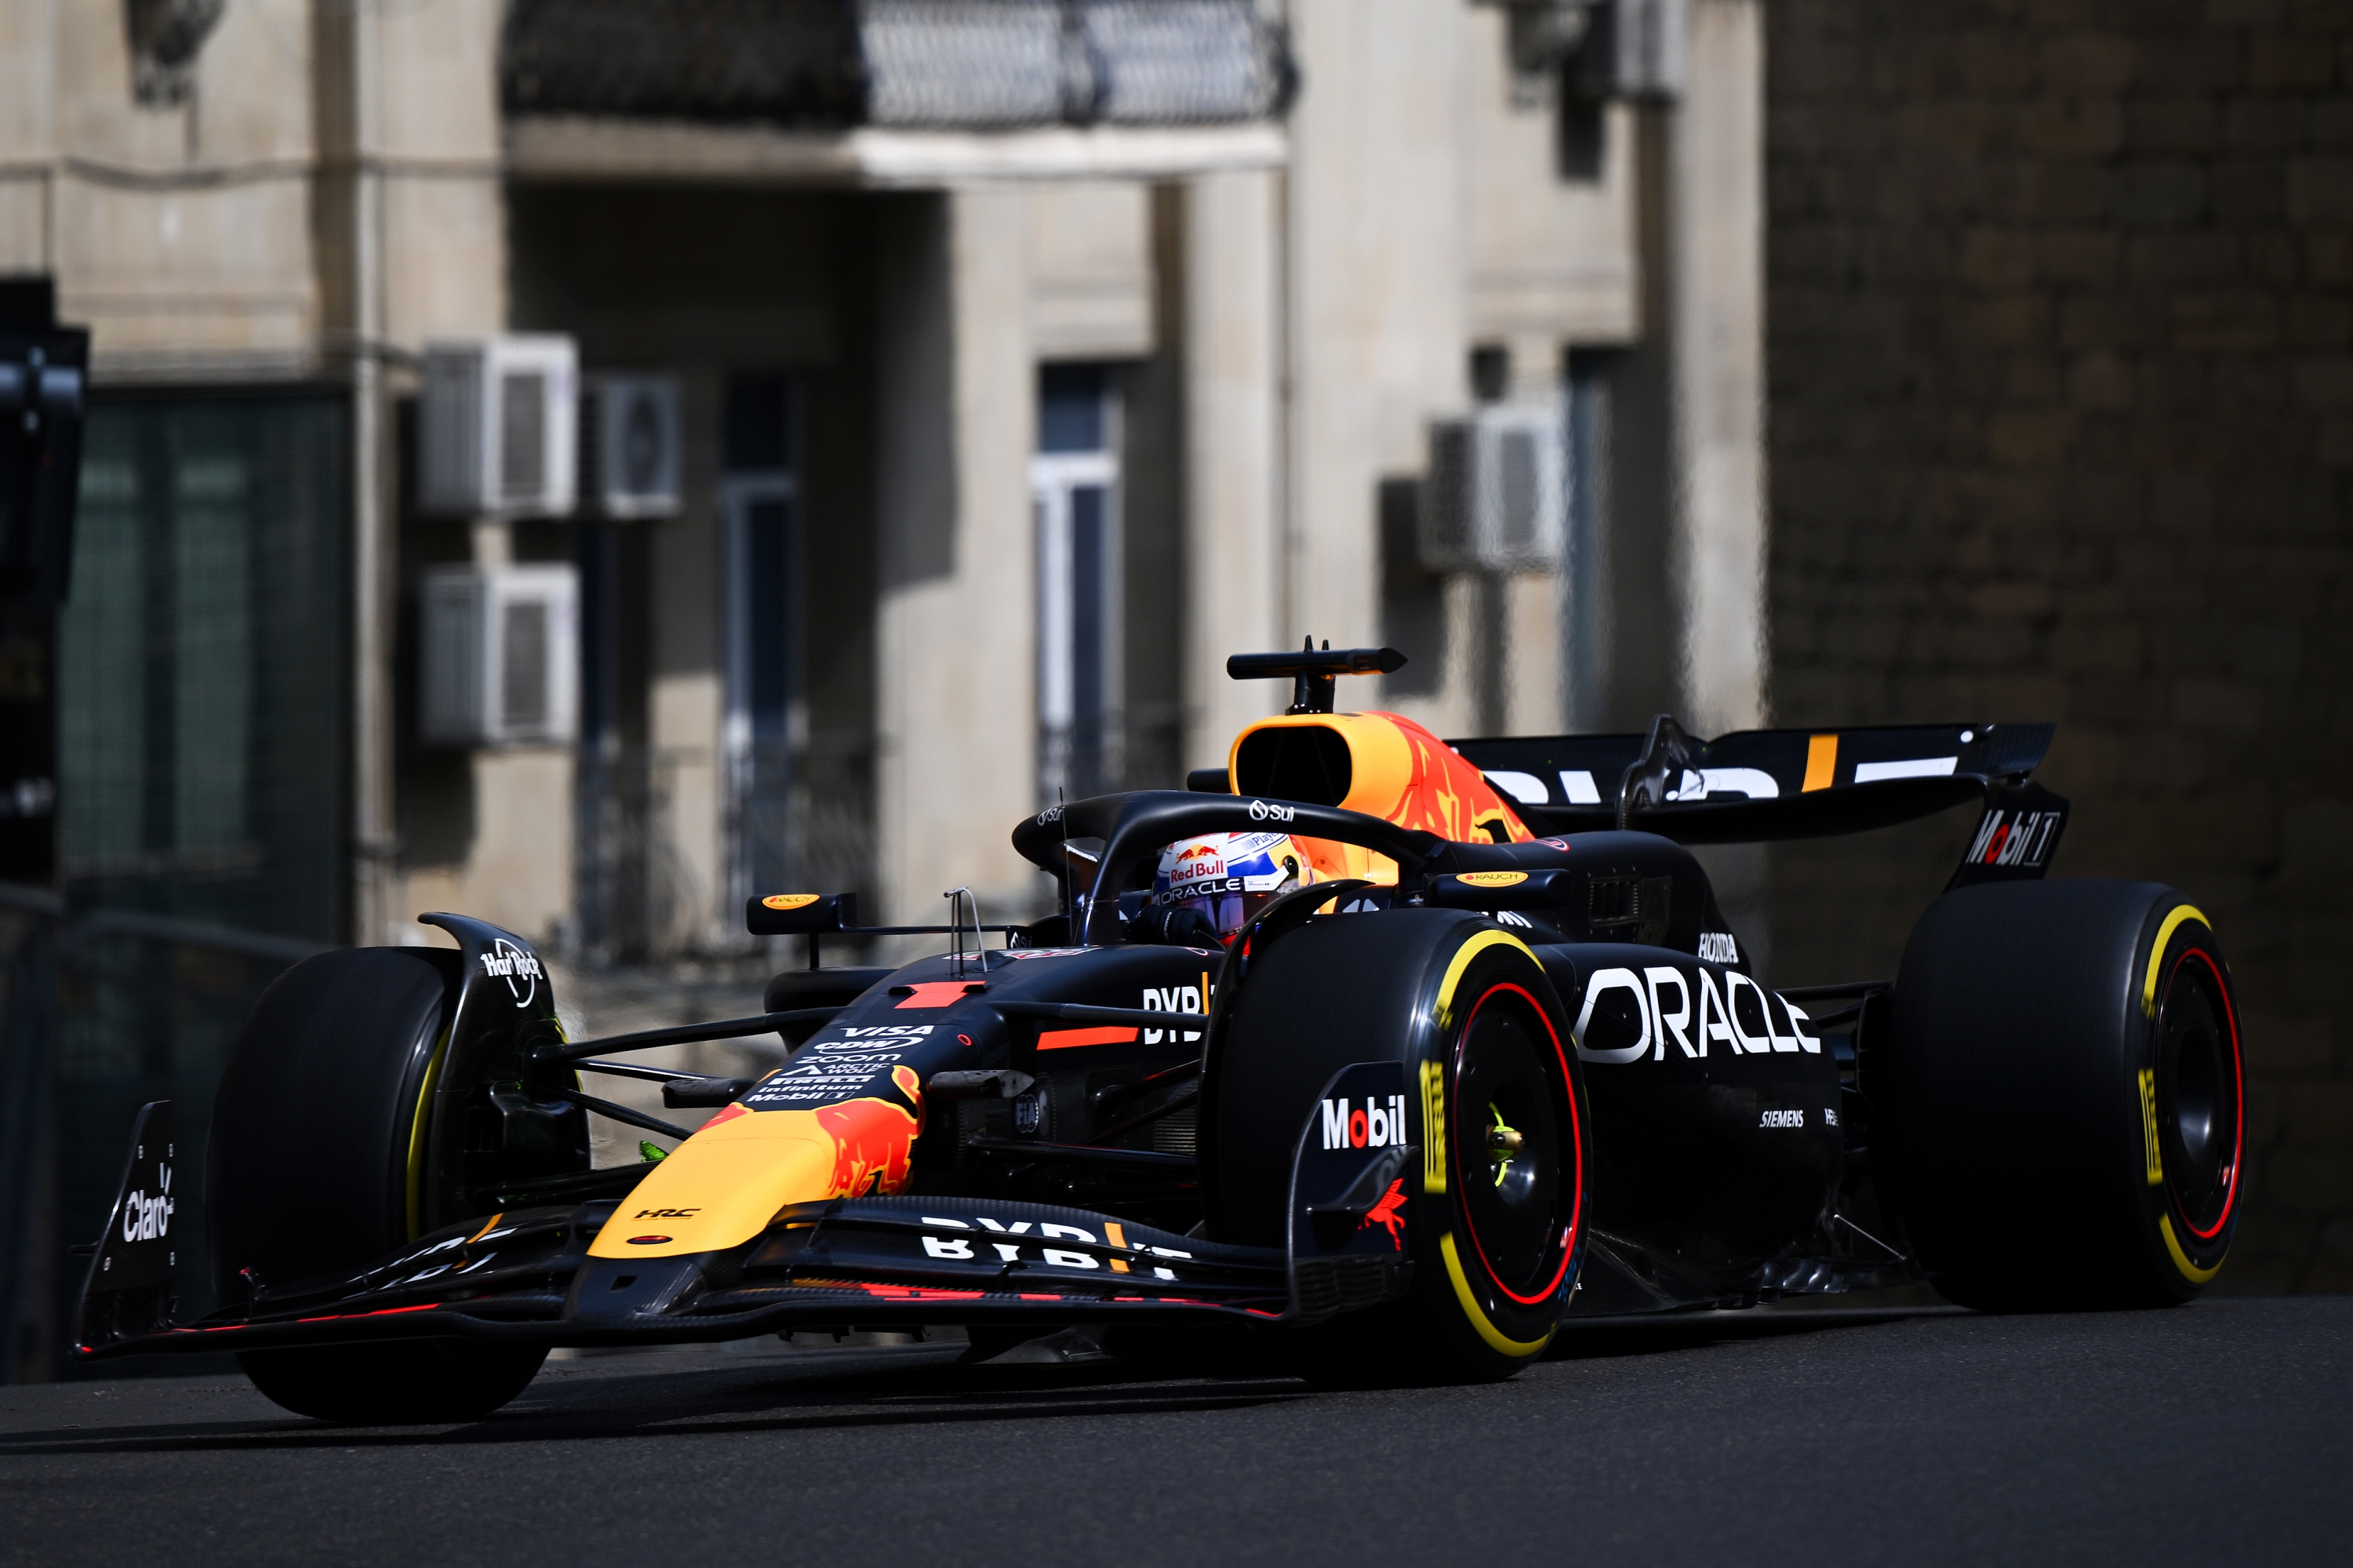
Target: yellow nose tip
721	1187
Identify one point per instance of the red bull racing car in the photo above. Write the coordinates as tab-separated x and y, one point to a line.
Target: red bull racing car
1390	1051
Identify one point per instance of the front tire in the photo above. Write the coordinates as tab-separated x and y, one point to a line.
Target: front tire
1497	1228
316	1136
396	1383
2067	1089
1515	1160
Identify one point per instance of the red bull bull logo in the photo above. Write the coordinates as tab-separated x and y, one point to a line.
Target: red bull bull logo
873	1139
1195	862
1389	1214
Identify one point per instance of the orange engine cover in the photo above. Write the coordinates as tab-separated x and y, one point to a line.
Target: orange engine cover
1381	764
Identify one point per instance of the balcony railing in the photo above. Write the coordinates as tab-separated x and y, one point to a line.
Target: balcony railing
916	64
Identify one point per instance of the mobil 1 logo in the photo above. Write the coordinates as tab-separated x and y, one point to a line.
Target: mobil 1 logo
1374	1123
1348	1183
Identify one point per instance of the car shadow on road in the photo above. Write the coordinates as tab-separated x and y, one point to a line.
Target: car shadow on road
919	1386
1601	1339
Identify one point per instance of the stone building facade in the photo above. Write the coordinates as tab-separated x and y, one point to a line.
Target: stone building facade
2061	348
931	277
822	214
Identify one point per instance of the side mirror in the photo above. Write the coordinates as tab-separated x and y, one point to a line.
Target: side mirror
800	914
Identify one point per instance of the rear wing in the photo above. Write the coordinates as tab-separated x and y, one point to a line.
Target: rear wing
1759	785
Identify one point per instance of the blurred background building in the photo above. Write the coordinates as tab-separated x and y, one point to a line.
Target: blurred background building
998	367
1015	361
579	461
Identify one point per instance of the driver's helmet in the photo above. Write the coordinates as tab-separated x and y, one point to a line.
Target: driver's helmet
1226	878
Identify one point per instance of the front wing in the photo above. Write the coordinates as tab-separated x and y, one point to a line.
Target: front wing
845	1262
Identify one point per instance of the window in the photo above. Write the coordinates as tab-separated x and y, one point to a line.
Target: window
1585	565
760	497
202	666
203	772
1074	492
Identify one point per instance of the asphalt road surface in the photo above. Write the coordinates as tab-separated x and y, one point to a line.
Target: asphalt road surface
2218	1433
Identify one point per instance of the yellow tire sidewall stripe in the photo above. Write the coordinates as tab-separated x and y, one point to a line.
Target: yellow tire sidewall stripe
2179	915
1495	1338
416	1124
1478	944
2190	1271
2181	912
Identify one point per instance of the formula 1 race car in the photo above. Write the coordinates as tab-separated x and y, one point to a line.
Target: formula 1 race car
1388	1052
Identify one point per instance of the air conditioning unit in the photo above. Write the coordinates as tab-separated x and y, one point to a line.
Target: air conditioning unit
501	655
629	458
1498	490
500	428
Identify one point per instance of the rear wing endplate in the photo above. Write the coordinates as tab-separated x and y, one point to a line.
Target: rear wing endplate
1761	785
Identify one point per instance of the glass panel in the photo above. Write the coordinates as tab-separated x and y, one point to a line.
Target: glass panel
769	524
759	438
1089	656
1585	564
102	653
1073	483
214	674
1071	409
201	661
763	610
767	783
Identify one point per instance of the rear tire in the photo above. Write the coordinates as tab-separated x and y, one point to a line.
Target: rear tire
2067	1088
1467	1008
315	1137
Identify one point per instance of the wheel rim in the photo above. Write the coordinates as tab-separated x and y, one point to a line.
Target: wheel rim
1515	1138
2201	1118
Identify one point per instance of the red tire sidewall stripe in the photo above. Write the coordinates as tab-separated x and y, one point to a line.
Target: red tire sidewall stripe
2238	1095
1577	1149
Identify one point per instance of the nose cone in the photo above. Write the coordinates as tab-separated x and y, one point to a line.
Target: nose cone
616	1292
721	1187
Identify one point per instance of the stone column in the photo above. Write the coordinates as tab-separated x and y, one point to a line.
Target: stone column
1685	522
1375	252
956	702
346	93
427	218
1716	341
1234	556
